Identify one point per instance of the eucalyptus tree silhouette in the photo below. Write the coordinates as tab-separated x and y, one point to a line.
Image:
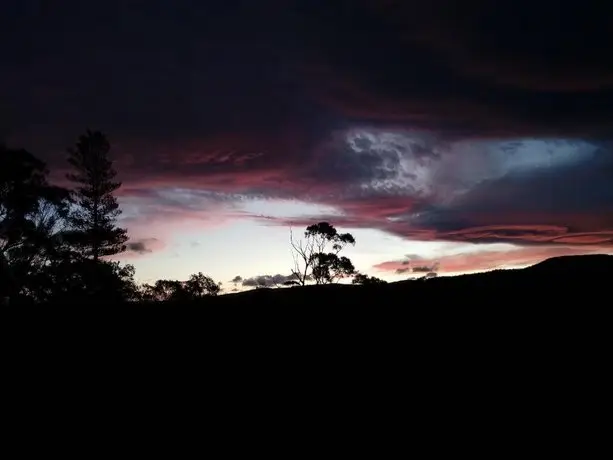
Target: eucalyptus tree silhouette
316	256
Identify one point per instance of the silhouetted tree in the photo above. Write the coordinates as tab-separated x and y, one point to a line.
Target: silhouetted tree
317	255
366	280
163	290
34	261
199	285
32	215
94	219
329	267
86	280
196	287
23	181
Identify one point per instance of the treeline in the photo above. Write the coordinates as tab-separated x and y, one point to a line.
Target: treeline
55	241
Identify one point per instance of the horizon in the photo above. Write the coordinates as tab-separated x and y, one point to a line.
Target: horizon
443	139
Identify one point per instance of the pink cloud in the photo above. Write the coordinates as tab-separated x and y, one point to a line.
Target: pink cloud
490	260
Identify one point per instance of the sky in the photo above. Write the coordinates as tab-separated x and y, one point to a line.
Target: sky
456	136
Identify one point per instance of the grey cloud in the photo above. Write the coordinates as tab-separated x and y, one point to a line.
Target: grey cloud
426	268
190	199
374	159
142	246
517	192
369	162
407	261
421	269
524	205
267	280
171	203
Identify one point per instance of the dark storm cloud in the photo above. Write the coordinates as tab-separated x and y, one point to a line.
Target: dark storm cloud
173	72
483	68
567	203
359	156
352	104
535	193
166	80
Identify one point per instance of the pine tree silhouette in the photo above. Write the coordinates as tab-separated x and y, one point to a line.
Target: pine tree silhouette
94	219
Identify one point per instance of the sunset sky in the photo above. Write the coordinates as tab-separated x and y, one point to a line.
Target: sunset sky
466	135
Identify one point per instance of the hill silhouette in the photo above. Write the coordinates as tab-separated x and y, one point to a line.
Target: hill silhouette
559	280
552	280
588	263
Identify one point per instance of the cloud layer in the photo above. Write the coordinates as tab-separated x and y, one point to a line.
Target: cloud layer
435	120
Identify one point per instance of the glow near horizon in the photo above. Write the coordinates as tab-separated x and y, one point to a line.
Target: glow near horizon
248	247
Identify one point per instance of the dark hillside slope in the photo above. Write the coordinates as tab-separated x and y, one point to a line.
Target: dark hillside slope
591	264
560	307
560	279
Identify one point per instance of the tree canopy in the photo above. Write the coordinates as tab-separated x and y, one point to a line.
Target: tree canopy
316	256
94	220
55	242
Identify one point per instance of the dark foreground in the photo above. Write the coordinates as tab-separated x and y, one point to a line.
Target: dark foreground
579	281
560	307
510	345
562	282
